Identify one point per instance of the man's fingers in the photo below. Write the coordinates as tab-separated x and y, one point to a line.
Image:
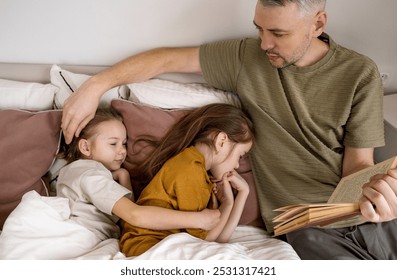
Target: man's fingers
67	133
379	201
73	128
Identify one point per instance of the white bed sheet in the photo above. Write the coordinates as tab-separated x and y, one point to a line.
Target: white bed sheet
39	228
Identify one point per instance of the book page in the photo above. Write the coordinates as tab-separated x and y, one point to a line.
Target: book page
350	187
293	210
318	217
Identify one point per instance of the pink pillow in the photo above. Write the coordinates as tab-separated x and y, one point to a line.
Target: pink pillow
142	119
29	142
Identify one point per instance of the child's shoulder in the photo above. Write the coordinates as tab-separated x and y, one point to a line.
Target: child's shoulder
85	163
189	155
83	166
188	161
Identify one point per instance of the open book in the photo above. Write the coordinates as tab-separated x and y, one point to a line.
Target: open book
341	210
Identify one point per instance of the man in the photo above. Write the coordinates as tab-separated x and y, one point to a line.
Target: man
317	108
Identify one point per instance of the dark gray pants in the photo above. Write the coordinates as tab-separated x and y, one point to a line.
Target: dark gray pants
369	241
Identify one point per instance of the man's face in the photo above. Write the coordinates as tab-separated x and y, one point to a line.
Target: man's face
285	33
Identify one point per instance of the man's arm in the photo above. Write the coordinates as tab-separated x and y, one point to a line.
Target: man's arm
355	159
80	107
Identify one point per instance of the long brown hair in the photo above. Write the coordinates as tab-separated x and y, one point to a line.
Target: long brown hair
201	125
72	152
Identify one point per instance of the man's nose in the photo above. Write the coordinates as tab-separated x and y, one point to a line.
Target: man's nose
266	43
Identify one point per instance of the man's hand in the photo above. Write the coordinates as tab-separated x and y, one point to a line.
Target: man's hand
78	110
379	200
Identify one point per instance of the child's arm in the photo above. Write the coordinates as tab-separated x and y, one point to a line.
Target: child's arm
225	196
238	183
158	218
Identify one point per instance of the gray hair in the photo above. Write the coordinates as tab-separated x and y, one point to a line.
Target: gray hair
306	6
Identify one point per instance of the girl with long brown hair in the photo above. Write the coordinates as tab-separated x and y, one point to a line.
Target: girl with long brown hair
204	147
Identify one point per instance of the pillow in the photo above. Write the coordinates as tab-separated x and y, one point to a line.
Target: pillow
68	82
26	96
170	95
29	142
140	119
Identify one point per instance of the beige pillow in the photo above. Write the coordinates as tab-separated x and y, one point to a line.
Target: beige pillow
170	95
26	95
67	82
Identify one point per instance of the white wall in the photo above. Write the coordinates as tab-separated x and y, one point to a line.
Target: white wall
369	27
101	32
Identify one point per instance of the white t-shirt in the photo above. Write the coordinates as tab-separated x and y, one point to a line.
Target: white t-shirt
92	193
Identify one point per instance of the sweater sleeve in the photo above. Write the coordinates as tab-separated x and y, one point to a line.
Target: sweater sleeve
190	191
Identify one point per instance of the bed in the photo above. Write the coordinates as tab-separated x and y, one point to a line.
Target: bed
31	101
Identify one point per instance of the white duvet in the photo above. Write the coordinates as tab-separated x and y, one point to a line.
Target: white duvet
39	228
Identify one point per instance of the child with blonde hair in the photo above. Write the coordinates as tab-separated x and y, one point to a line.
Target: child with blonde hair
99	189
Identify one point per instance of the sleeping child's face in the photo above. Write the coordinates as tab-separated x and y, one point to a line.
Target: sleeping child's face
228	158
109	144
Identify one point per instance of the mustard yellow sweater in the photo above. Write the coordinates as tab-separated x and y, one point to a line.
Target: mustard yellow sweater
181	184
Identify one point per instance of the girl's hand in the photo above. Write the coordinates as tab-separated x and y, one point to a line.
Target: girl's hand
213	203
233	180
122	176
237	182
223	190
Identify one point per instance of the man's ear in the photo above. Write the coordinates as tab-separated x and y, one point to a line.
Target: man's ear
220	140
84	147
320	23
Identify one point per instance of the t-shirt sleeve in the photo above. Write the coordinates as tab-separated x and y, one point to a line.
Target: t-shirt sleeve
221	62
101	190
365	126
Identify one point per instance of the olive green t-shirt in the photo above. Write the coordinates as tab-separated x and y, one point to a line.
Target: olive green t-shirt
304	116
